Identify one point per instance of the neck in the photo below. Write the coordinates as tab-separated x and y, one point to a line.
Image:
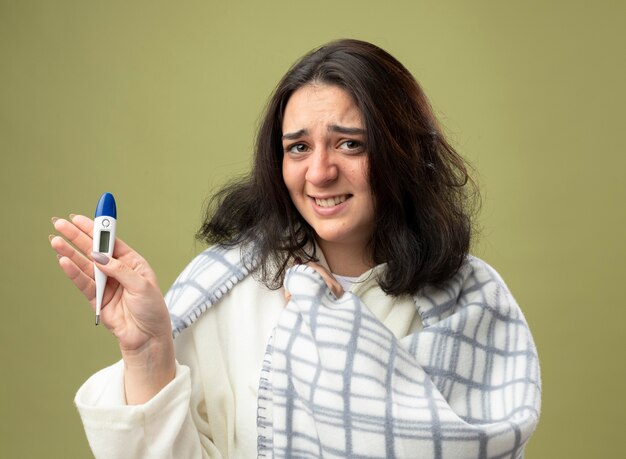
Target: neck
345	259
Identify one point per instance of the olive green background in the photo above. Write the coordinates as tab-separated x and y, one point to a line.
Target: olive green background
158	103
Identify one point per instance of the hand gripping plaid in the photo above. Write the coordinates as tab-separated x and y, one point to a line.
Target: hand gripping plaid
336	382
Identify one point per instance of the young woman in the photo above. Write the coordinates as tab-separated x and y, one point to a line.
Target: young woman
337	312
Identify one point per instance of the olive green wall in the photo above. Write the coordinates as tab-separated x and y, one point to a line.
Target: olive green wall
158	101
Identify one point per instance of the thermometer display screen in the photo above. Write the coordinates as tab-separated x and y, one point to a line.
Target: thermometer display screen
104	241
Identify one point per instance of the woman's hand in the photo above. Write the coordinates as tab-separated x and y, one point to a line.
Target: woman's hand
133	308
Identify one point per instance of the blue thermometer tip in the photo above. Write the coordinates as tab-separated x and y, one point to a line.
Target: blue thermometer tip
106	206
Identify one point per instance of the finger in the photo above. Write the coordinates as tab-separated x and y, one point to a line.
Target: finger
121	251
332	283
85	224
81	240
82	281
63	249
123	273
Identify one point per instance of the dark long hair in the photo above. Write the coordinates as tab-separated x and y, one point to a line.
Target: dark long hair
423	196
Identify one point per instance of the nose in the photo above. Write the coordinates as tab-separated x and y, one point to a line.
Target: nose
322	168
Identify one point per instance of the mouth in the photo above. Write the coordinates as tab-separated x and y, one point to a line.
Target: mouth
332	201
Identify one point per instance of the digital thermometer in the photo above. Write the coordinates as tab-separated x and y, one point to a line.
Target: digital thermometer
103	242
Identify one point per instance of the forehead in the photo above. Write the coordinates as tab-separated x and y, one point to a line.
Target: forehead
315	104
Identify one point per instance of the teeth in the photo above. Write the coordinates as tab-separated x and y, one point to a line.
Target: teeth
331	201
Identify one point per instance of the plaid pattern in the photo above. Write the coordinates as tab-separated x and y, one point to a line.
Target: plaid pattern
337	383
204	281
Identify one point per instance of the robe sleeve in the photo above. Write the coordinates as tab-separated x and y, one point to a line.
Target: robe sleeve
164	427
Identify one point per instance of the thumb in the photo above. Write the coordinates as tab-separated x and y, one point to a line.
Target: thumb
332	283
128	278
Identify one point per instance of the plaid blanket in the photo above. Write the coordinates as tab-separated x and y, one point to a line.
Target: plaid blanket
337	383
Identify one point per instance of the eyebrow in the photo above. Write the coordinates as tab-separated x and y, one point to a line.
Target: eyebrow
332	128
295	135
346	130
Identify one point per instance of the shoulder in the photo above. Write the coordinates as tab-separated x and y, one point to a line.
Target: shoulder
205	280
475	285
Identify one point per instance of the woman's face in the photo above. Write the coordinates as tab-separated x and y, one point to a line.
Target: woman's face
325	166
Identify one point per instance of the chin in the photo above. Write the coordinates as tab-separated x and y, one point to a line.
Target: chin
336	237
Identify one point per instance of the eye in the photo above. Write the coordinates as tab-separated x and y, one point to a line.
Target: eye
351	145
297	148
